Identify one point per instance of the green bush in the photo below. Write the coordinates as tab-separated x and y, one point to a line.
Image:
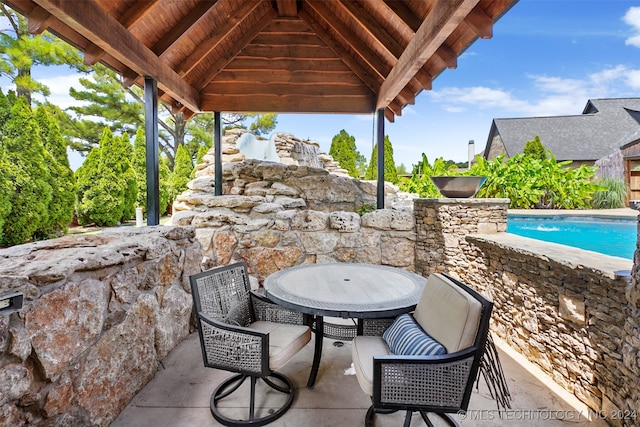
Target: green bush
60	209
182	172
535	149
22	143
390	172
531	182
611	195
101	190
420	182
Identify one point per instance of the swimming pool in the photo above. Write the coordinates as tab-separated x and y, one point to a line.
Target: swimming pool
616	237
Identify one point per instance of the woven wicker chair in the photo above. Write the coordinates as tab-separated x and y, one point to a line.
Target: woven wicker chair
457	317
241	331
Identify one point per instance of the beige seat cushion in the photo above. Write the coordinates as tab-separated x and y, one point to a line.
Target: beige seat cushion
363	350
448	314
284	341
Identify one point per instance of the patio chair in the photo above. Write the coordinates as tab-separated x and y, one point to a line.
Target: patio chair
451	321
243	332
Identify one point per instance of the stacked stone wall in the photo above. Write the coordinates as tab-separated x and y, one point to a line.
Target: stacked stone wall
573	314
275	216
100	313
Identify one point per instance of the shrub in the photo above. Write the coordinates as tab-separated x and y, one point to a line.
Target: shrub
182	172
612	194
420	182
32	193
535	149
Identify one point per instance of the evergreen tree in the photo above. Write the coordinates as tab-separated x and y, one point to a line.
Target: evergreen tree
390	173
164	175
124	150
139	162
344	151
101	188
61	207
20	51
535	149
182	172
85	176
7	187
30	199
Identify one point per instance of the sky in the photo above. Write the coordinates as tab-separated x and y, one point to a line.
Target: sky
546	58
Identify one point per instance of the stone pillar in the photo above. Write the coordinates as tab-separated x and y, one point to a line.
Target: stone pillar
442	225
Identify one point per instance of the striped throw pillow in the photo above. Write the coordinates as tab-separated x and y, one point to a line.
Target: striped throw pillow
406	337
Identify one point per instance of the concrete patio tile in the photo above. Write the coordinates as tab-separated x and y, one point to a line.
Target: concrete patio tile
179	395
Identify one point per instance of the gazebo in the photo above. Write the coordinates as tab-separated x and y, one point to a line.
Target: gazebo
282	56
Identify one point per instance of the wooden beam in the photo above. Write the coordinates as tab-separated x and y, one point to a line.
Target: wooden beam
367	55
287	7
230	53
481	23
181	29
217	36
289	103
368	76
90	20
448	56
38	20
443	19
93	53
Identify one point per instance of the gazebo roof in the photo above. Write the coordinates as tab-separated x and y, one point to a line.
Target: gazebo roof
333	56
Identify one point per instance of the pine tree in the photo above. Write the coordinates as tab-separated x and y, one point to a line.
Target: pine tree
122	148
390	173
535	149
182	172
25	150
344	151
101	190
139	162
7	186
61	207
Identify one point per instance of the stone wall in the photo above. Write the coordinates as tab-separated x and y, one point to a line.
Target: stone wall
275	216
574	315
100	312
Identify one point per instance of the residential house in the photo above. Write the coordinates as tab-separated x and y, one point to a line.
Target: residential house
606	134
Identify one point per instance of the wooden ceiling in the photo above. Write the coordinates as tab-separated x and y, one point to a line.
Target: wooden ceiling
312	56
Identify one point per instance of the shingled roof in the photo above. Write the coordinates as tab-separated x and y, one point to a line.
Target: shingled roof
604	126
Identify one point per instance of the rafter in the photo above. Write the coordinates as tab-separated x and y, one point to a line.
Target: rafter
216	37
481	23
287	7
220	62
133	15
90	20
38	20
441	21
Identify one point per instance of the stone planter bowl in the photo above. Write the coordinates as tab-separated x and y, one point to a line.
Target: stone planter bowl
458	186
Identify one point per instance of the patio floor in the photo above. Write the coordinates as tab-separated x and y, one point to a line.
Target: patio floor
179	395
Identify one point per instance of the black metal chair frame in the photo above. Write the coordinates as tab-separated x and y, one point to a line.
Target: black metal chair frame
467	360
259	308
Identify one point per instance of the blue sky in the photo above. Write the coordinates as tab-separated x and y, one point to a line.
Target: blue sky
546	58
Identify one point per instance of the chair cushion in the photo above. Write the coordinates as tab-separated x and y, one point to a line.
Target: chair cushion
448	313
363	349
406	337
284	341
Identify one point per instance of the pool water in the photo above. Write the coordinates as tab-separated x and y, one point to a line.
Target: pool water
616	237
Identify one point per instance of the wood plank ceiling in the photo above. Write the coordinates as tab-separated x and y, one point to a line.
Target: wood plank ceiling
311	56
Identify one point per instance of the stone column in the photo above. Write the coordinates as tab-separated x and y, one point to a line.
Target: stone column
442	225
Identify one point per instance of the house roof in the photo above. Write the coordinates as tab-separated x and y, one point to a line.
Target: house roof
605	126
337	56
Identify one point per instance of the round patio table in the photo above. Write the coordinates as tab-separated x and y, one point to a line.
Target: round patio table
344	290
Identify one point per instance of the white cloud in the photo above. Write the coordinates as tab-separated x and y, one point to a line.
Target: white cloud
548	95
632	18
59	88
